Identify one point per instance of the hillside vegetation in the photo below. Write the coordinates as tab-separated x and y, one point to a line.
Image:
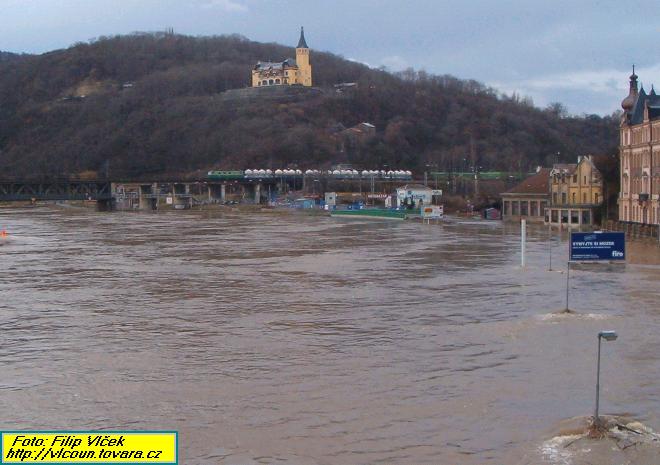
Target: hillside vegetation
150	104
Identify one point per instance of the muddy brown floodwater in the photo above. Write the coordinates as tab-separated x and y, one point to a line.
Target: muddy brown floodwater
285	338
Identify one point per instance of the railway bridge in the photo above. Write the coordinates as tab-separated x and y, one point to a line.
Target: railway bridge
152	194
15	190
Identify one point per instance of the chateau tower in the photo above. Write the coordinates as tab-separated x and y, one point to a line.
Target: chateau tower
289	72
629	102
302	60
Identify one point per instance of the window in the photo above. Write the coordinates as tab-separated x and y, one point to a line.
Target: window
584	197
554	198
514	208
554	216
575	179
586	217
564	216
277	81
270	82
574	197
585	181
524	208
575	216
563	198
543	207
596	197
534	208
506	207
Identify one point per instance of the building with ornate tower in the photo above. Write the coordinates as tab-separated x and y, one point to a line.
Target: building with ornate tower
289	72
639	153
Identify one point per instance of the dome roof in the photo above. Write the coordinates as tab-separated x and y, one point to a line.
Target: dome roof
628	103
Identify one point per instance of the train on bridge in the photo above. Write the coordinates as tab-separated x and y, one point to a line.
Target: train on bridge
235	175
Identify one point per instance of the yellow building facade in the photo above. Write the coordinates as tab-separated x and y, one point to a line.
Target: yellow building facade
289	72
576	193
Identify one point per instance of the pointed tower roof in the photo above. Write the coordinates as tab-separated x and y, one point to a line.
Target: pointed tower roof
302	43
629	102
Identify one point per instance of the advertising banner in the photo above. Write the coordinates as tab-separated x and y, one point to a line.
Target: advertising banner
433	212
597	246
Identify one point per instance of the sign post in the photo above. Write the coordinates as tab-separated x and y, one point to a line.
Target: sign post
550	247
523	240
568	274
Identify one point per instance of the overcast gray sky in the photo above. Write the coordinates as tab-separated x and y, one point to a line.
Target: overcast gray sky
576	52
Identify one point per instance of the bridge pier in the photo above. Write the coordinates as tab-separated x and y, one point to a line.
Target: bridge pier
217	192
146	201
257	193
181	196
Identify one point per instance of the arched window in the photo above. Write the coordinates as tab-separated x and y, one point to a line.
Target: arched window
265	83
270	82
277	81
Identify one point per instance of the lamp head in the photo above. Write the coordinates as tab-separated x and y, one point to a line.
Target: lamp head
608	335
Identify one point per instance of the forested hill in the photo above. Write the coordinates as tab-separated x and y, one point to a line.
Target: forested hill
149	104
6	56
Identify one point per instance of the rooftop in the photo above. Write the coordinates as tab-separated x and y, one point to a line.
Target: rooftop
537	184
264	65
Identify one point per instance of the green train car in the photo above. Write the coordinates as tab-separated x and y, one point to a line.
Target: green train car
226	175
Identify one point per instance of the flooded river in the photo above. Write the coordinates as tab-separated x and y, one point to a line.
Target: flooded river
285	338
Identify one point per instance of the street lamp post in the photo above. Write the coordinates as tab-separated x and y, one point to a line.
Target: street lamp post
608	336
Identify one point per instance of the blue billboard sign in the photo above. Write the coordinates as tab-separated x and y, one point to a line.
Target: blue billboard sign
598	246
